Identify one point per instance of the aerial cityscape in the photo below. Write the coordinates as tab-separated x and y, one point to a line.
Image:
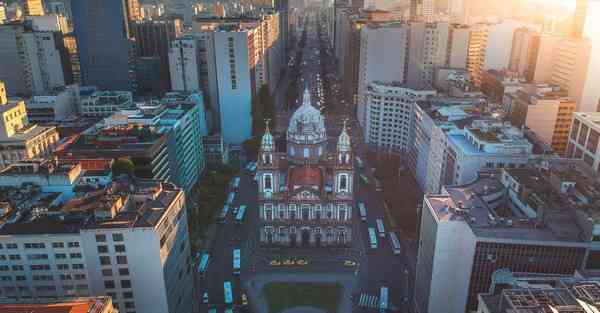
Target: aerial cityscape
299	156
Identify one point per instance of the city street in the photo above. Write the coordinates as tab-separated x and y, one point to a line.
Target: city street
373	268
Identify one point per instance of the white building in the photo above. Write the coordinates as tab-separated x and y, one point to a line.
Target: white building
383	53
105	103
131	244
184	63
58	105
389	116
584	137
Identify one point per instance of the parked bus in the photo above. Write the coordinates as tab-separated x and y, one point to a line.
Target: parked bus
380	228
383	299
239	217
230	198
228	293
395	243
362	211
235	183
372	238
223	214
236	261
203	265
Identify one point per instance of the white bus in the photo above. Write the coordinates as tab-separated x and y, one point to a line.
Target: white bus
203	265
236	261
239	217
213	310
372	238
229	310
228	293
380	228
395	244
223	214
362	210
230	197
383	299
235	183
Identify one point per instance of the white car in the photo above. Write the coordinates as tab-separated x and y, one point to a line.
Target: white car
205	297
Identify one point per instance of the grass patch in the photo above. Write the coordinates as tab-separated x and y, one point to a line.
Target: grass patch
282	296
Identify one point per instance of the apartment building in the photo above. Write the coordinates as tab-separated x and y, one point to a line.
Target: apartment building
389	116
105	103
128	241
584	137
525	220
478	41
524	52
57	105
547	111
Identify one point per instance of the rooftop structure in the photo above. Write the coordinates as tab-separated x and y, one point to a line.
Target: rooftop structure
67	305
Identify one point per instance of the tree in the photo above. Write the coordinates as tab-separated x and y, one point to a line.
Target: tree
251	147
123	166
262	108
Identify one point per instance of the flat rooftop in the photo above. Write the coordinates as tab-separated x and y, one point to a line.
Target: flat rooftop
28	133
78	305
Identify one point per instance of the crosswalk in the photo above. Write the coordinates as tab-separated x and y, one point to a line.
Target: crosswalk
368	301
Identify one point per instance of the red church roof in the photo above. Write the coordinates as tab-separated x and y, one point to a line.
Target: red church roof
306	176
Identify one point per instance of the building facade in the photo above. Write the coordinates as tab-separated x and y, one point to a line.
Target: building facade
306	194
584	137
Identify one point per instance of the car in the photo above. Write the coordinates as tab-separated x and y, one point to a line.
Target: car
205	297
302	262
405	299
235	210
349	263
275	263
244	299
288	262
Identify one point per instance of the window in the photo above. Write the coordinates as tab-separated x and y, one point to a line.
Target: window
107	272
112	295
127	295
102	249
79	276
109	284
120	248
121	259
129	305
343	183
37	256
62	266
268	182
14	257
306	153
75	255
58	245
40	267
20	278
78	266
100	238
60	256
35	246
6	278
17	268
117	237
124	271
65	277
126	283
104	260
74	244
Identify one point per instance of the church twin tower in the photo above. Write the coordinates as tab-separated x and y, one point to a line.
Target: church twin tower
305	194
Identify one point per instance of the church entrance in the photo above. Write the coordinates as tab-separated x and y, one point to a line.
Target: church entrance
305	237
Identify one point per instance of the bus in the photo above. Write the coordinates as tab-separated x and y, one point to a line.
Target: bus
380	228
212	310
395	244
239	217
228	293
372	238
359	162
223	214
235	183
203	265
230	198
383	299
362	211
236	261
229	310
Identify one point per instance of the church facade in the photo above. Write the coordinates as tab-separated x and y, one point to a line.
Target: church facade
306	194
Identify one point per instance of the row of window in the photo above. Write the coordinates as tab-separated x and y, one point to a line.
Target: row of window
115	237
40	245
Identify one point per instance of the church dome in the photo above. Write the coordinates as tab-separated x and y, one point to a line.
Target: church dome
307	124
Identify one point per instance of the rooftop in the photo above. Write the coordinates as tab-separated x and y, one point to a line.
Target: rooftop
78	305
27	133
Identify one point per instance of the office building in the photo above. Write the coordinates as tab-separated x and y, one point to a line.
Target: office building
32	62
383	51
128	241
56	106
579	18
389	115
524	52
105	103
133	10
105	51
496	85
3	17
569	68
216	151
526	220
33	7
584	137
478	41
547	111
305	194
101	304
152	39
433	46
148	78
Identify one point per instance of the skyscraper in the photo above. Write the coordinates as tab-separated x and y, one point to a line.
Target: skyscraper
579	18
105	51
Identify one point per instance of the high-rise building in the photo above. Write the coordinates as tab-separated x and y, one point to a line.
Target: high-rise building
102	304
33	7
584	137
383	54
478	41
524	52
133	10
518	219
389	115
105	51
579	18
547	111
2	13
152	39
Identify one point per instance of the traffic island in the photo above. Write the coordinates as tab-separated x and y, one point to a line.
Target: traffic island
284	297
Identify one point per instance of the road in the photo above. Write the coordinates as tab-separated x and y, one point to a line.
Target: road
374	268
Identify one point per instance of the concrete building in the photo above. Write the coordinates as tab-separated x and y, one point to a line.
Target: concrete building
389	115
383	55
524	52
100	304
433	46
58	105
3	17
128	241
584	137
152	39
547	111
105	103
33	7
106	53
524	220
497	84
216	151
306	194
478	41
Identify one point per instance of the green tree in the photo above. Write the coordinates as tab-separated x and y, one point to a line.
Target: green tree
123	166
251	147
263	108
